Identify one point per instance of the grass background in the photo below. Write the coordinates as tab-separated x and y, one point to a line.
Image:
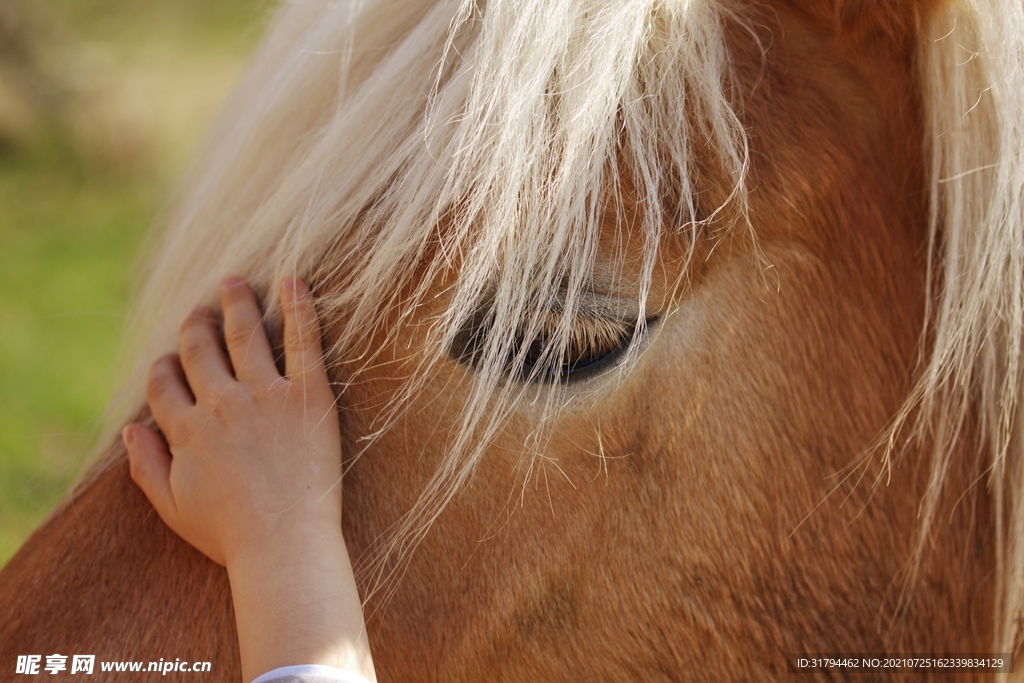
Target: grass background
84	173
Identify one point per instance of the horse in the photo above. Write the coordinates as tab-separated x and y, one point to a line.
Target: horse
672	337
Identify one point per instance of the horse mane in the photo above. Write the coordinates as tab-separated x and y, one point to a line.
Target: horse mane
379	148
972	65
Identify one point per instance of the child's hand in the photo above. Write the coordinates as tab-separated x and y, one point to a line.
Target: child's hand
250	475
251	458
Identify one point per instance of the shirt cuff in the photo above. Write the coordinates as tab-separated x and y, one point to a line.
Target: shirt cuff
309	673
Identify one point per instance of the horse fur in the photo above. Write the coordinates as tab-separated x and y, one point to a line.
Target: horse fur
818	203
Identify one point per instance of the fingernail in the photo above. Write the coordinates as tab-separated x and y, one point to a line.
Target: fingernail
128	435
289	291
233	282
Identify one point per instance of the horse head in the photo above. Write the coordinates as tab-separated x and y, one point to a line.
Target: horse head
671	336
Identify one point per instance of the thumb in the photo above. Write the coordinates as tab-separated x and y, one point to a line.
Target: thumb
150	465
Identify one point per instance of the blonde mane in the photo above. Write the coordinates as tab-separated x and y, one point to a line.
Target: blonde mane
381	147
972	59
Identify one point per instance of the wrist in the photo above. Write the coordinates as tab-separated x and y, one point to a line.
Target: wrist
297	603
283	546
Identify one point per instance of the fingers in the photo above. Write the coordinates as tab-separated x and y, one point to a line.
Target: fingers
202	357
206	370
244	333
302	347
167	391
150	466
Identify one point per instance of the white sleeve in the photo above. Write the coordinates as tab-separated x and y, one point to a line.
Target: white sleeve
309	673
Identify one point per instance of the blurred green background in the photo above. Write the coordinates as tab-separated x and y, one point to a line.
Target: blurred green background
101	104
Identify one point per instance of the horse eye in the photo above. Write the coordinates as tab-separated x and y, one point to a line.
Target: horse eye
595	343
585	351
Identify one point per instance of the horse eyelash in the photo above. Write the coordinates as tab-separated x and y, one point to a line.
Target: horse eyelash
595	342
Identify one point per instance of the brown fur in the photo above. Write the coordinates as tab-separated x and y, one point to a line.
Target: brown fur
695	549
